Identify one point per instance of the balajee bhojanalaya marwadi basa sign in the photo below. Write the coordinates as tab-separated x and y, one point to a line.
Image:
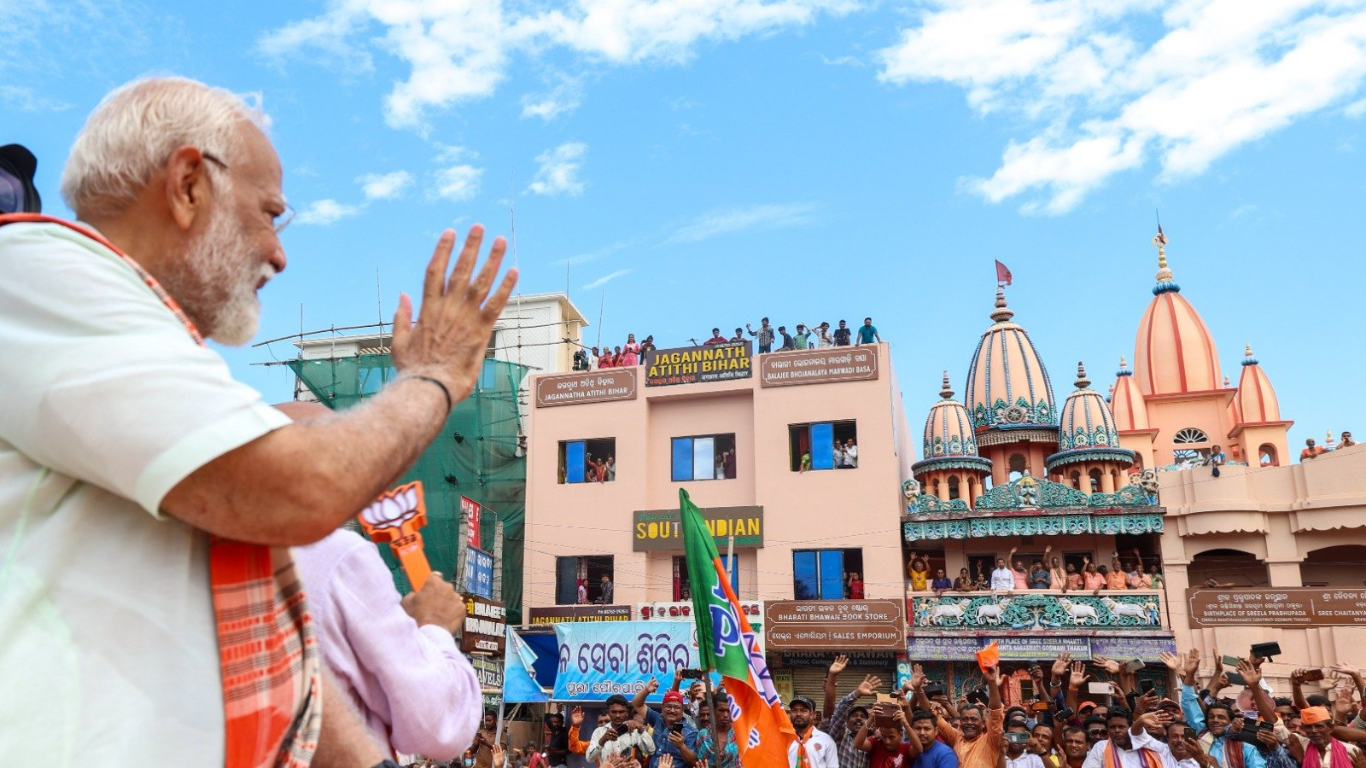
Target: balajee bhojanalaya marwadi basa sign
696	365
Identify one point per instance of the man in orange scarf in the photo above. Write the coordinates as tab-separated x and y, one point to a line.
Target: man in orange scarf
1130	745
1321	750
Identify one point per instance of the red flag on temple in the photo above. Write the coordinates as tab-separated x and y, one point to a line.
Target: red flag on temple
1002	273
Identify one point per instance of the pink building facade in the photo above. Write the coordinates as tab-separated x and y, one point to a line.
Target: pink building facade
753	430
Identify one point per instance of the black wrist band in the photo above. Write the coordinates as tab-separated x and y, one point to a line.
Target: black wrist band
450	404
387	764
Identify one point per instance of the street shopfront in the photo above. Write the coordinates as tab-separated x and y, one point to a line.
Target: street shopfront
950	658
803	637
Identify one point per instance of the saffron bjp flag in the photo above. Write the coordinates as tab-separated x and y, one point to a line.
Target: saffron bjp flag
727	643
1002	273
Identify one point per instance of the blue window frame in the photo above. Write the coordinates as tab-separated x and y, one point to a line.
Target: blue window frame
583	461
697	458
814	444
818	574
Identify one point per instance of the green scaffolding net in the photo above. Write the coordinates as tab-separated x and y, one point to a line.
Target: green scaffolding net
476	455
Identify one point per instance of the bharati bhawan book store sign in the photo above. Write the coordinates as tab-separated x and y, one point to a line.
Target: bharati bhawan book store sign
696	365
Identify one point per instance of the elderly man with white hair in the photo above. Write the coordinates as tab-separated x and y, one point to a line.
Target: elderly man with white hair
149	610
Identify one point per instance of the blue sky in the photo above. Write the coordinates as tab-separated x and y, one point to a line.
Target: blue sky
710	162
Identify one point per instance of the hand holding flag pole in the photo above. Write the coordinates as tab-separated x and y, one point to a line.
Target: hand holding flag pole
395	517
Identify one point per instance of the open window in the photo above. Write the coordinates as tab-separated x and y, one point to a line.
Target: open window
812	446
588	461
683	584
824	574
579	580
703	457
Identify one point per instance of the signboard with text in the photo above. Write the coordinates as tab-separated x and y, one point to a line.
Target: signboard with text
1275	607
599	660
697	365
835	624
660	529
556	614
470	509
485	627
1038	647
479	573
818	366
583	387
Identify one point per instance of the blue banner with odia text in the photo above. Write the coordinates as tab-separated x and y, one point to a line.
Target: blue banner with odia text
598	659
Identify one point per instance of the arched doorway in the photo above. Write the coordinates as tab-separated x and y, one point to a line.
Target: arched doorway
1341	566
1267	457
1228	567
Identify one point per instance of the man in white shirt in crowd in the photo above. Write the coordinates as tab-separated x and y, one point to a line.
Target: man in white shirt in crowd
1002	579
1016	745
816	745
147	499
1131	744
622	736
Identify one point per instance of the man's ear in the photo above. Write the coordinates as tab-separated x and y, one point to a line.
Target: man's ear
187	195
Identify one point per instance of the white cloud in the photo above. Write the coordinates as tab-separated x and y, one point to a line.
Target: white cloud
1355	109
559	171
461	49
26	99
1104	94
385	186
605	279
327	212
842	61
458	183
563	99
767	216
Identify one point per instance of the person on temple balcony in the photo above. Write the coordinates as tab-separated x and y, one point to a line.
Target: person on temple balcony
1003	578
1216	460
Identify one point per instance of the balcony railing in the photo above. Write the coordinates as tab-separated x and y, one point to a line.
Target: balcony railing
1047	610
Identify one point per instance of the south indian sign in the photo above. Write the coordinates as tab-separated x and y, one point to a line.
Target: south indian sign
660	529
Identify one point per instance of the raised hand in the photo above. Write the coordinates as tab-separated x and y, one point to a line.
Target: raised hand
666	760
1193	660
499	756
838	665
651	686
1251	673
918	678
1109	665
1154	719
992	675
450	338
1172	661
869	686
1297	677
1079	676
576	716
1060	664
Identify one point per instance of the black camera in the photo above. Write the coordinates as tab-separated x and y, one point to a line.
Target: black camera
979	697
934	689
17	193
1250	730
691	674
1266	651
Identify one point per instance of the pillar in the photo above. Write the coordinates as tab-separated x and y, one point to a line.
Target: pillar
1107	481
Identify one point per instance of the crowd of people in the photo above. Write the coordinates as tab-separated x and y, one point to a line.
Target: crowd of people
1067	720
1044	572
805	336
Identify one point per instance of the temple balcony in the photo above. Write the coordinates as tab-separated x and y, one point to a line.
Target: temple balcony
1134	612
1032	507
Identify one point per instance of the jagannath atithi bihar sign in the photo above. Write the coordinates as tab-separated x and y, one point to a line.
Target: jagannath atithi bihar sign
697	365
582	387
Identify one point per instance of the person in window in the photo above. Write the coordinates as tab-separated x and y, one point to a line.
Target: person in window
838	455
605	592
716	338
1118	577
1091	579
855	587
610	472
850	454
1074	579
941	583
1155	579
719	470
582	592
1216	460
867	333
730	463
964	582
805	463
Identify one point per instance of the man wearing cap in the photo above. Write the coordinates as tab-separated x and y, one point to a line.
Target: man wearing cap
673	734
848	715
1321	749
813	748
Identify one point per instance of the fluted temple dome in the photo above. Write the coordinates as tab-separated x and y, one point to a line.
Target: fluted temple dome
1008	386
1174	352
949	438
1086	429
1255	402
1126	402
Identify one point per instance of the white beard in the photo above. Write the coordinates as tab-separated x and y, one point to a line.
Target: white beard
217	282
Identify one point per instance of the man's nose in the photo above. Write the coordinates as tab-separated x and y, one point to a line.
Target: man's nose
277	259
